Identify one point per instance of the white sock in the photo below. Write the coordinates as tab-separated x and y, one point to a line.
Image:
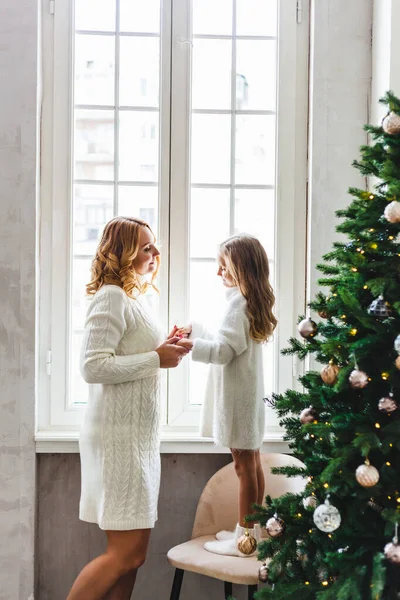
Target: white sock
224	535
228	547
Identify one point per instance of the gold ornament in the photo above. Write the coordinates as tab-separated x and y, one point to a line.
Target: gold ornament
358	379
391	123
247	544
387	404
367	475
263	573
275	526
397	362
307	328
310	502
392	212
308	415
323	314
329	373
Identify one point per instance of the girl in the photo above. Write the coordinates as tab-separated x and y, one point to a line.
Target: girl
233	410
122	353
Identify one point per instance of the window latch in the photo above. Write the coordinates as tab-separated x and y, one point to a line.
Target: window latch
299	11
52	7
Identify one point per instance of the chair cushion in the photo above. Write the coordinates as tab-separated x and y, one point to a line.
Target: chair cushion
191	556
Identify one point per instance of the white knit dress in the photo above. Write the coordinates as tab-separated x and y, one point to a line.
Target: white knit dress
233	410
119	441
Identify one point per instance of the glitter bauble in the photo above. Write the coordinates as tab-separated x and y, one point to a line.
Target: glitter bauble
327	517
263	573
323	314
310	502
307	328
308	415
392	212
392	552
329	374
379	308
367	475
358	379
387	404
391	123
247	544
275	526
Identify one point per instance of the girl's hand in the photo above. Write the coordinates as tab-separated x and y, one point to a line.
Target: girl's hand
188	344
184	332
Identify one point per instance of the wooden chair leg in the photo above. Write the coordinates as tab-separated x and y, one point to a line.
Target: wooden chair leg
177	584
228	589
252	590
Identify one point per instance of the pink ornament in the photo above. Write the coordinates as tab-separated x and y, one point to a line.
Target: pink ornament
358	379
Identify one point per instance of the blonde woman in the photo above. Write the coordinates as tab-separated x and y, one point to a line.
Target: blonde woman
122	353
233	410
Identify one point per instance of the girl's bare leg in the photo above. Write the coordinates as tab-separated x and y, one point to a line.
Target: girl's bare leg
260	479
246	470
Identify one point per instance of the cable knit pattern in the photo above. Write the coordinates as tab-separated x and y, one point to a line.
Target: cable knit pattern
119	441
233	410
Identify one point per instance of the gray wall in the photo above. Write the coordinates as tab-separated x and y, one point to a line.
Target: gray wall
340	80
18	164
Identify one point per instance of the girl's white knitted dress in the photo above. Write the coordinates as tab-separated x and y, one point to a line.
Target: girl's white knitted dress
119	441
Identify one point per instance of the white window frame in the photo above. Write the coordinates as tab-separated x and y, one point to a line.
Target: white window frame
58	424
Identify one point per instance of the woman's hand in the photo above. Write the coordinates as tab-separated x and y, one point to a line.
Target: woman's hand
170	353
188	344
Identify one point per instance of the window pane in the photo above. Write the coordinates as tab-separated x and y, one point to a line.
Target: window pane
141	202
94	69
212	17
140	16
94	144
256	17
209	221
207	309
255	214
255	150
211	148
212	60
138	146
256	71
139	71
92	15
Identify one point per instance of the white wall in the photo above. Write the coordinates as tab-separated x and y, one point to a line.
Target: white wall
340	81
18	164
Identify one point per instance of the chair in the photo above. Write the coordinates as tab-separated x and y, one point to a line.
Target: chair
218	509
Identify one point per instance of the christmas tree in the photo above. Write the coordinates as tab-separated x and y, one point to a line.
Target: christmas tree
337	540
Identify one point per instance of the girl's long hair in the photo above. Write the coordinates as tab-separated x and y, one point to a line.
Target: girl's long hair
112	264
247	262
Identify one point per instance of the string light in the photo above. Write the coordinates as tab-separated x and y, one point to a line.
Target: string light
353	331
310	531
343	317
391	445
388	463
398	500
374	246
389	497
385	375
306	583
377	425
371	230
365	287
371	196
354	269
326	485
299	515
325	583
329	535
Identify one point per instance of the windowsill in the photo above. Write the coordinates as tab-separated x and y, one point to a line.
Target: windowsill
66	442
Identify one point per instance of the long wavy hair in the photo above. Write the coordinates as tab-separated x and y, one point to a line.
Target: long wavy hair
118	248
247	262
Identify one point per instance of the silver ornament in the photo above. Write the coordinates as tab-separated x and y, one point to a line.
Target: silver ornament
263	573
308	415
387	404
391	123
397	344
392	553
310	502
327	517
307	328
367	475
358	379
392	212
379	308
275	526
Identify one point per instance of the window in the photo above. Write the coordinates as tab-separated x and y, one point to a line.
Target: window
190	114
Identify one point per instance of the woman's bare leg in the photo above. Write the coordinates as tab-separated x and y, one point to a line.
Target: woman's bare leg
246	470
126	552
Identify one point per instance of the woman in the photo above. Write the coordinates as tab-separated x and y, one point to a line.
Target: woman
122	353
